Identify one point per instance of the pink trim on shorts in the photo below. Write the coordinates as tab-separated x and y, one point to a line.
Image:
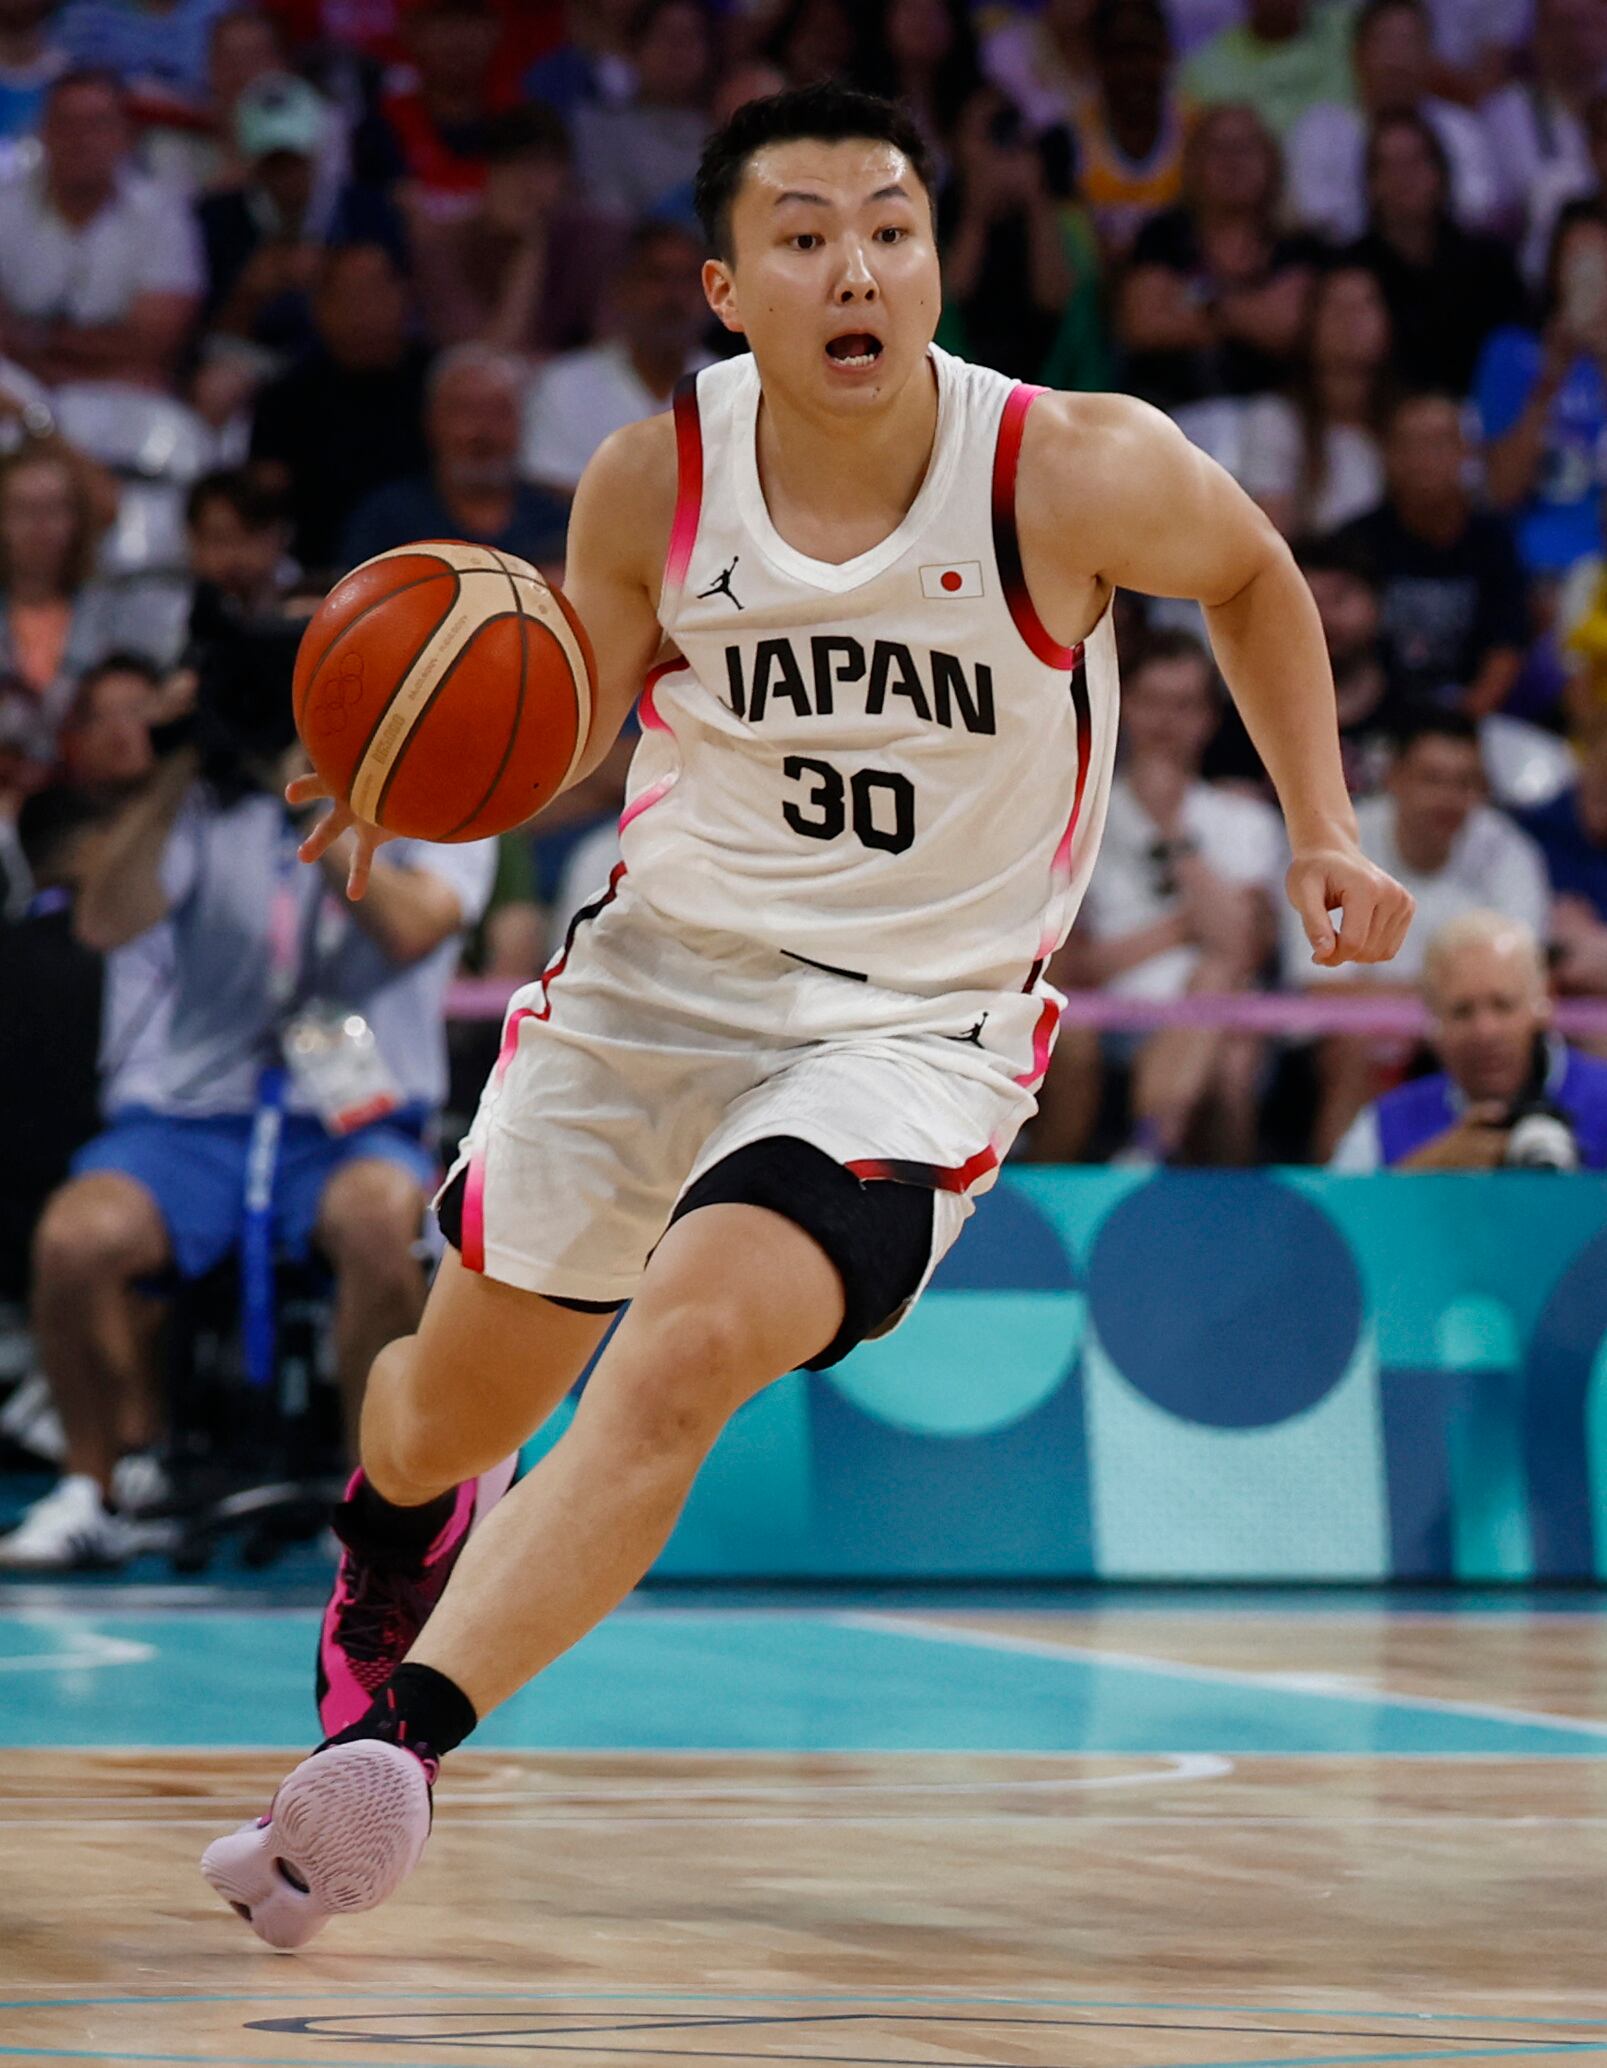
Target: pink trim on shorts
473	1249
689	483
937	1177
1043	1043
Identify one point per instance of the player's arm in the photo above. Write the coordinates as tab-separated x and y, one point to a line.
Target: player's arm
120	894
1111	488
619	528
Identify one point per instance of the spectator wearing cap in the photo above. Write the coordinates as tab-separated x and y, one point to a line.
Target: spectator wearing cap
659	319
1455	612
1447	288
631	158
192	148
1393	61
1433	831
266	236
526	267
348	416
471	489
1286	56
31	59
1484	982
100	275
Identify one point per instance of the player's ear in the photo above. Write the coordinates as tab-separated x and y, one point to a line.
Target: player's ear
720	290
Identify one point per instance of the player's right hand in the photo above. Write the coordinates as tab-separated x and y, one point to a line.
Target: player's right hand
339	819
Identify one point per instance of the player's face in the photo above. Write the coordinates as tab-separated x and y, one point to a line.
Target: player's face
834	279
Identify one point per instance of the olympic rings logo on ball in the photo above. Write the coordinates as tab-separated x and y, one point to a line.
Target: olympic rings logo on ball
338	695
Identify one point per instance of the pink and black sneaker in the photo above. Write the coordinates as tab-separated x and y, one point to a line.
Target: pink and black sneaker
381	1600
344	1832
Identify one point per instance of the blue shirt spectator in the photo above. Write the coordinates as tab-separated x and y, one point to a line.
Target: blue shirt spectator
146	46
1400	1125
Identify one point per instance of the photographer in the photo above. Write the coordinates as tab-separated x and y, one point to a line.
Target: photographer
1511	1093
289	1102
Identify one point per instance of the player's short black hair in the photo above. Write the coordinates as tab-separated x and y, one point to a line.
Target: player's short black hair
826	112
1425	721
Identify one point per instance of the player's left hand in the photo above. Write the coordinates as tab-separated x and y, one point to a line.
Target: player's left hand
1374	909
339	819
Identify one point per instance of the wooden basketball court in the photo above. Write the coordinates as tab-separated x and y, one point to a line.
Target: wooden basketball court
1295	1838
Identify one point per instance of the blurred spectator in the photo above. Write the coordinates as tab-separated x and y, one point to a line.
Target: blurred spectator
24	770
1536	126
592	63
525	269
238	537
1455	611
814	40
99	272
1287	56
265	238
631	158
1447	288
1007	276
435	125
1215	297
193	148
1044	61
472	490
1313	459
163	1187
1484	982
923	53
56	619
106	739
31	59
659	316
157	48
50	1028
1478	45
1327	148
1571	832
1345	592
1182	901
1129	131
1434	833
349	416
1554	190
1542	400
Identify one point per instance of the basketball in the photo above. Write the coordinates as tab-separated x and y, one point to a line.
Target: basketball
444	690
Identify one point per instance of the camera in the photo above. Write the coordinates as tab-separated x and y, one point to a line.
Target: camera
242	723
1540	1137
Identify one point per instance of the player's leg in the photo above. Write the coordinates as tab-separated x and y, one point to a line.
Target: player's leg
735	1296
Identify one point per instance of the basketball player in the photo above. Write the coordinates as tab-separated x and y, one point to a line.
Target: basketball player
869	589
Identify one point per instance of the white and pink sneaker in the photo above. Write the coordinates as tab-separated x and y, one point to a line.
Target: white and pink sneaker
344	1832
381	1603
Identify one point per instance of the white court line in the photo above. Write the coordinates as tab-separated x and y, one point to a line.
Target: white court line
1331	1687
94	1649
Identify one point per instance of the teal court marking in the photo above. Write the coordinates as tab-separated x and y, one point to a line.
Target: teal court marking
731	1680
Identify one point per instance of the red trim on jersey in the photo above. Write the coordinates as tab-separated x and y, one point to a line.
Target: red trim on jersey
472	1249
688	483
1006	540
936	1177
1043	1044
648	711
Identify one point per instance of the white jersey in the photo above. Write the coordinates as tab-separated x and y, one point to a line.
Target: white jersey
886	767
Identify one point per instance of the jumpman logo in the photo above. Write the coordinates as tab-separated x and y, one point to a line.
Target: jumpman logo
721	585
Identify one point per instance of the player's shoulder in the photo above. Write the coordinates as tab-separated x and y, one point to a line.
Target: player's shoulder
625	502
1101	436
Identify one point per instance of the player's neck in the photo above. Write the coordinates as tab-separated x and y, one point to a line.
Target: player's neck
866	470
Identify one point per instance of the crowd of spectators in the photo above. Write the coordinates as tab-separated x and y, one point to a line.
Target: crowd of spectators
285	284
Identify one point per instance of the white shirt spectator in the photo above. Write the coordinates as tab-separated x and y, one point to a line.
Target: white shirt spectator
1537	145
1238	837
578	399
1465	29
1493	864
1326	155
144	241
1272	457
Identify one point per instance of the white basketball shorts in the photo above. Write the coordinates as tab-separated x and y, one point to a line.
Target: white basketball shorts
648	1052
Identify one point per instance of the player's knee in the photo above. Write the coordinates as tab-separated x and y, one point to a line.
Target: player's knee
89	1233
694	1362
369	1222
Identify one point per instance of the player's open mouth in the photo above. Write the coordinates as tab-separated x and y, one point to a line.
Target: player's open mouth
854	349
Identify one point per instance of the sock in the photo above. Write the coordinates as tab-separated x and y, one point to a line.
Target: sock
417	1708
380	1525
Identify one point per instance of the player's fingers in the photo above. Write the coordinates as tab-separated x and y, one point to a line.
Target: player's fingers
357	872
306	789
328	830
1308	894
1358	909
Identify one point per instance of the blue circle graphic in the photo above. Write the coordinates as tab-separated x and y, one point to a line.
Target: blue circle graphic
1227	1300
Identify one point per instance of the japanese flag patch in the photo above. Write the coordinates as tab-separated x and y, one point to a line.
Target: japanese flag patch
952	578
